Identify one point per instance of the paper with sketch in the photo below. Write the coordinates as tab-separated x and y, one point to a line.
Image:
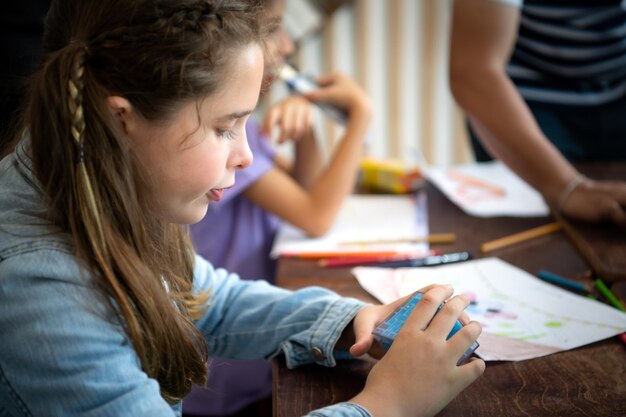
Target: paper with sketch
522	317
366	219
488	189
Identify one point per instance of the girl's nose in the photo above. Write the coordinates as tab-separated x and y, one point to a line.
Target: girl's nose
285	44
242	155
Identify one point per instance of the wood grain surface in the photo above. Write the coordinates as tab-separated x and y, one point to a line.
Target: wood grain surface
588	381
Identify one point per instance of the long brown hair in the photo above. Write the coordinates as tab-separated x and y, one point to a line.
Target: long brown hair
158	54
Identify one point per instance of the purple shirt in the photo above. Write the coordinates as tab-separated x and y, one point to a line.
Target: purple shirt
237	235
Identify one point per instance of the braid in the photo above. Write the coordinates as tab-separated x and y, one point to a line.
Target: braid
191	17
170	20
75	101
77	129
157	55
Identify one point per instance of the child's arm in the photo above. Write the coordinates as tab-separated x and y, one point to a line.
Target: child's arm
252	319
417	376
314	208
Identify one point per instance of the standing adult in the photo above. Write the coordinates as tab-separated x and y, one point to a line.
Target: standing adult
543	84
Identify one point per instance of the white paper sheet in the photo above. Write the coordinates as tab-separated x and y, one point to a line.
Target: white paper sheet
522	316
364	218
477	194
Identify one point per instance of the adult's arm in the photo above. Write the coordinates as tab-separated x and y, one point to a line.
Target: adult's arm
483	36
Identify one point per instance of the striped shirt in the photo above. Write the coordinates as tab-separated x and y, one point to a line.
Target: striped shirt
570	52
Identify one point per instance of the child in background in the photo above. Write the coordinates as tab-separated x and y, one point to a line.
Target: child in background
134	125
238	231
271	190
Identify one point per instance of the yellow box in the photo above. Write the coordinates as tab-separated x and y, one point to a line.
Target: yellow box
387	175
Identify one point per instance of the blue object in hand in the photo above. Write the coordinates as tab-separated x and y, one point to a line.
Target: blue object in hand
387	330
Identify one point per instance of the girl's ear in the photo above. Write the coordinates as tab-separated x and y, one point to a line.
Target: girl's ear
122	111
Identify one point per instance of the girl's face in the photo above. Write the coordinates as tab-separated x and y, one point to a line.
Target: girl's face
193	157
279	43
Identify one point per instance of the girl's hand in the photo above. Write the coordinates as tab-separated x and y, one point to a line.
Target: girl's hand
369	317
418	376
597	201
342	91
293	117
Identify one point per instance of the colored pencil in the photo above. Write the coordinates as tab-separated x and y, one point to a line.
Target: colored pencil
435	238
559	280
608	294
360	260
369	260
619	289
604	290
520	237
344	254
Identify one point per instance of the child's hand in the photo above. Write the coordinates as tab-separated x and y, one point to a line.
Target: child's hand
369	317
418	376
342	91
293	116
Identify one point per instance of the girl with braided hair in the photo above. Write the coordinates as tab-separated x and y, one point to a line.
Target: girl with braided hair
134	124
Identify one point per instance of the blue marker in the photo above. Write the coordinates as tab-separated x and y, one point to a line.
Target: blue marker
388	329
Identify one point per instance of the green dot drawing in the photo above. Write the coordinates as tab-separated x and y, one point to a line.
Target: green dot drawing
554	324
514	335
504	324
498	296
533	336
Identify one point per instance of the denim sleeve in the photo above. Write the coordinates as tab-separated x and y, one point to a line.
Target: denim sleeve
61	352
252	319
340	410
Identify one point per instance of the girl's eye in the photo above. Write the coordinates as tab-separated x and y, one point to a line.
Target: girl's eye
225	133
274	30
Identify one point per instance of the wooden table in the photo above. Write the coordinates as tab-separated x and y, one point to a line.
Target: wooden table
588	381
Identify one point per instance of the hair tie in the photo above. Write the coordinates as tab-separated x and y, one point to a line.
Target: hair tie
79	45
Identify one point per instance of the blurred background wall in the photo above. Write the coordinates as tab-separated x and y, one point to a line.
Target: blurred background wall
397	50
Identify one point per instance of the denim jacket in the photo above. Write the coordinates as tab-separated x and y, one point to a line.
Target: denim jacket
63	352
